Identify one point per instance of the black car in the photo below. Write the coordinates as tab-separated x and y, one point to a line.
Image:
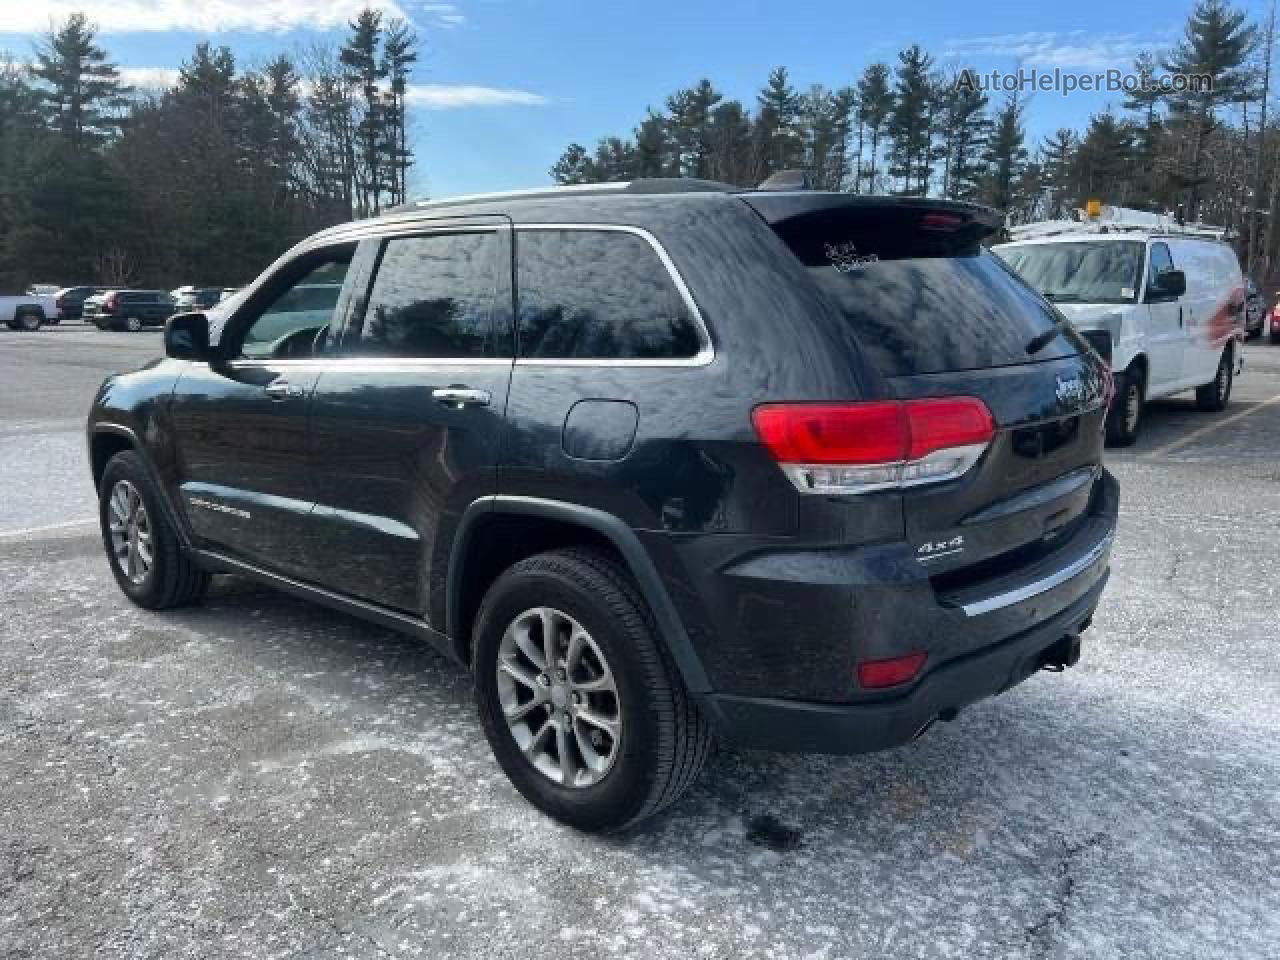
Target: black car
70	300
656	461
128	309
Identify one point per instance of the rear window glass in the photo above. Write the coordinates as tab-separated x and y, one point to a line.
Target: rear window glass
922	299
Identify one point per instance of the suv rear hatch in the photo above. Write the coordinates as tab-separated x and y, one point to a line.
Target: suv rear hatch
941	317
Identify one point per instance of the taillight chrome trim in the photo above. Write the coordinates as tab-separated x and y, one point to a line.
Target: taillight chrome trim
802	475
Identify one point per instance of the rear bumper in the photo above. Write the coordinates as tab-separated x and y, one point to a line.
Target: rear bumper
781	629
772	724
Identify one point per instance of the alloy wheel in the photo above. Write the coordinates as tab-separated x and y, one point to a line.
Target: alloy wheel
130	529
559	697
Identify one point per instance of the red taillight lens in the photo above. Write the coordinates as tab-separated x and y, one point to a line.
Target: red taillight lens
947	422
859	447
825	433
877	674
109	304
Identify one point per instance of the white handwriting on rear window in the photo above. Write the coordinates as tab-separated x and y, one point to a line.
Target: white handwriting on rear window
846	258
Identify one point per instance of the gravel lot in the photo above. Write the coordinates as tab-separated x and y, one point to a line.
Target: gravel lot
256	777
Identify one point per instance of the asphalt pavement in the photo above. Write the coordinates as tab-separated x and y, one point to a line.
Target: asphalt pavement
256	777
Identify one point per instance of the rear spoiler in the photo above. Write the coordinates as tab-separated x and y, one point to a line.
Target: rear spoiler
775	207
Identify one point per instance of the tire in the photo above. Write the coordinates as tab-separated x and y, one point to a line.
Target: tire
29	320
170	579
133	324
662	741
1215	396
1275	338
1124	420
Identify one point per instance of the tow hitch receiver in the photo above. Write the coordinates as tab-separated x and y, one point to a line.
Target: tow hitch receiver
1065	653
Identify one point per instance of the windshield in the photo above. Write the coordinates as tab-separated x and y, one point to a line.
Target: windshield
1102	271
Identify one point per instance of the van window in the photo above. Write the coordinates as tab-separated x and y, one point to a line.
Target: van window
432	298
921	300
1161	261
1092	271
598	294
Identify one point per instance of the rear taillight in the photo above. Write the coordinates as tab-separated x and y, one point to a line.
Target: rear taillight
862	447
109	304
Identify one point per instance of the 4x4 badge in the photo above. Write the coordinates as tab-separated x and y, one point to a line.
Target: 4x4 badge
937	549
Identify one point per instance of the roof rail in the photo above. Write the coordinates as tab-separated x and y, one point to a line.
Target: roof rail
649	185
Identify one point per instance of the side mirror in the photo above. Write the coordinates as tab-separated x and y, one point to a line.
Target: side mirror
186	337
1170	283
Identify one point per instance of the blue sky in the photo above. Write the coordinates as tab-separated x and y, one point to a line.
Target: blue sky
504	85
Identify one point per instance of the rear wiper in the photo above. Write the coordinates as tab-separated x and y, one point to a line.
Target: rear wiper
1042	340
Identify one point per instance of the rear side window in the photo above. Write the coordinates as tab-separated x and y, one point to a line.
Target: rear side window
921	297
600	295
433	297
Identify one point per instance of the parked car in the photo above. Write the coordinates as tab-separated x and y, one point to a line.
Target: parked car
1273	326
810	471
70	300
195	298
28	311
1255	310
1167	306
128	309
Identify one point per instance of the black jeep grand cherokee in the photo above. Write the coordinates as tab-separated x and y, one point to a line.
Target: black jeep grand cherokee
657	461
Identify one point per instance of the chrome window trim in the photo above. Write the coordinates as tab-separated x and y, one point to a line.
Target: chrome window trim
350	364
1044	584
706	349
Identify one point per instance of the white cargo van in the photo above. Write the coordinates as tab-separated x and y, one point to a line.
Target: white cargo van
1165	309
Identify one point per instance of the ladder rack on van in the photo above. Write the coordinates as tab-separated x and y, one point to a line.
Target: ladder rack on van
1117	220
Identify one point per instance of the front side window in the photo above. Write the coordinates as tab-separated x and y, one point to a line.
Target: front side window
297	317
599	294
433	297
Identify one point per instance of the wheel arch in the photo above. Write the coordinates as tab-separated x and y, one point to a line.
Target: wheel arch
526	526
108	439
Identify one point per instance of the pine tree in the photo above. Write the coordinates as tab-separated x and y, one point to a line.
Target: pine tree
399	54
689	126
964	127
1216	43
1057	154
777	143
1006	155
365	70
653	148
574	166
83	85
909	130
730	144
875	103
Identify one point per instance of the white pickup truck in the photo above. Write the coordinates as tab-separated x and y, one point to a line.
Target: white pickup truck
28	311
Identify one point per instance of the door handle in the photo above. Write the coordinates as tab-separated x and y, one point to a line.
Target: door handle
281	389
460	397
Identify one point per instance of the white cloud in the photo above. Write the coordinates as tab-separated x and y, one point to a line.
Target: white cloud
428	96
149	78
451	96
213	16
1047	49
